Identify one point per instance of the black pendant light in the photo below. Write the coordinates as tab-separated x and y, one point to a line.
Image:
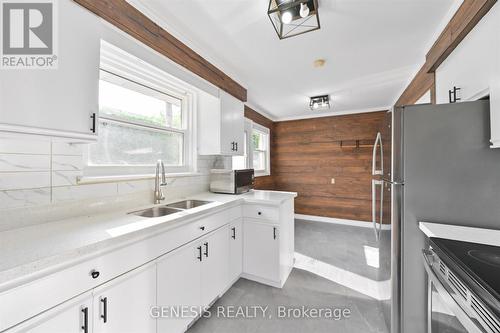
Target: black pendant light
293	17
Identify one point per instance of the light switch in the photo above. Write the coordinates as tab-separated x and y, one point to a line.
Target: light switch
333	181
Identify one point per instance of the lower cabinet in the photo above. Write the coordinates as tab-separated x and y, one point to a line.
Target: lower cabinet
191	278
74	316
261	251
124	304
235	249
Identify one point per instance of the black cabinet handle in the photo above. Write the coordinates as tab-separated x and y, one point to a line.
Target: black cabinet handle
236	146
95	274
104	315
85	325
202	228
260	213
234	232
93	117
206	249
199	257
274	232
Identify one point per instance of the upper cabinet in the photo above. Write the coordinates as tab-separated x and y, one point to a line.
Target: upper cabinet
58	102
221	125
474	68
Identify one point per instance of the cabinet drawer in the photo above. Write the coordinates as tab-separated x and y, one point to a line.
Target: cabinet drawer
261	212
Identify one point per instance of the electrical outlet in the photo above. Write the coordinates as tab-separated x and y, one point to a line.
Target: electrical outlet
333	181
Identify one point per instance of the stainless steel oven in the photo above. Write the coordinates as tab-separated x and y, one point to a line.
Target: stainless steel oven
452	306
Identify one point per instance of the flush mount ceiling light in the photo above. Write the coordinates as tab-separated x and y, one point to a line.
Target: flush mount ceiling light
320	102
293	17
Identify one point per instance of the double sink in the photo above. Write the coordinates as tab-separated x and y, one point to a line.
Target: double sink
170	208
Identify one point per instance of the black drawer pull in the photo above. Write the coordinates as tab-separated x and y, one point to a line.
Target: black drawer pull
199	257
260	213
274	233
206	249
93	117
85	325
202	228
95	274
234	232
104	315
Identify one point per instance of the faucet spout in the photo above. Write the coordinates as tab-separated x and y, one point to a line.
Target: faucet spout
159	182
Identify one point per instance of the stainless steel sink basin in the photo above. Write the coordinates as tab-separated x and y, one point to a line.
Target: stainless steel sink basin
156	212
188	204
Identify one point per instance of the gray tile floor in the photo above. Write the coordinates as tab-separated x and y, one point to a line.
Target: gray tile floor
334	280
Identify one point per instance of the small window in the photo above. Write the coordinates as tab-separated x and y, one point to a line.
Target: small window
260	145
257	153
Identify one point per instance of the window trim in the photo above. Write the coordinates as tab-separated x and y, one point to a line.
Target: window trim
128	67
249	128
267	151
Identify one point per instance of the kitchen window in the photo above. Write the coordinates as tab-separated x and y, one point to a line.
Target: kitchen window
256	150
139	123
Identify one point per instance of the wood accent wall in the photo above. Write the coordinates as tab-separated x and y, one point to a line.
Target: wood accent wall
263	182
308	153
465	19
127	18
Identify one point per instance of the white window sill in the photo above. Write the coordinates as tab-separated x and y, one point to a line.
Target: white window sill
123	178
262	174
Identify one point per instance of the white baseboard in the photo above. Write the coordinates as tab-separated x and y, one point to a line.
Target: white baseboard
339	221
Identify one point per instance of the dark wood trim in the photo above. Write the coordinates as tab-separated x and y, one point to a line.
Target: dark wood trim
127	18
258	118
465	19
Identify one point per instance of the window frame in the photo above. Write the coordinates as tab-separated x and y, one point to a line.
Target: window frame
250	126
127	67
264	130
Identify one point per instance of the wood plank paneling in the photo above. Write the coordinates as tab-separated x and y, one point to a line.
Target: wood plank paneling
465	19
263	182
307	154
127	18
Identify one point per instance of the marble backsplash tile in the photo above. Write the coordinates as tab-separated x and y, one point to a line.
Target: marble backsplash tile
38	183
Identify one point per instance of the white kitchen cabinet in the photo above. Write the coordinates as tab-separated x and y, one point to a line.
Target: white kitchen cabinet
124	304
214	266
268	242
179	284
235	249
261	250
74	316
57	102
221	124
474	68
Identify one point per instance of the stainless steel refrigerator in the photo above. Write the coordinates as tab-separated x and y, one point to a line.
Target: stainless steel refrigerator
431	163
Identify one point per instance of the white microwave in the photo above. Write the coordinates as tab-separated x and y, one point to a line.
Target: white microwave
231	181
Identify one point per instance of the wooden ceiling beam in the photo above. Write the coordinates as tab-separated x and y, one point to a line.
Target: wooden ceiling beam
465	19
127	18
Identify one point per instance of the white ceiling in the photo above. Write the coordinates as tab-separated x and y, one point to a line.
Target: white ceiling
372	49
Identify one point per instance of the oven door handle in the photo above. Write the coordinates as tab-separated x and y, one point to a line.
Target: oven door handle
445	293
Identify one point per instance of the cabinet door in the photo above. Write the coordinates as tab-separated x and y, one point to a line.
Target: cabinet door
179	285
235	250
215	265
232	125
58	100
124	304
73	316
261	250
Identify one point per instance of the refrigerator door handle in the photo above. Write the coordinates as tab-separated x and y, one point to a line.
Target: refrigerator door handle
376	183
378	143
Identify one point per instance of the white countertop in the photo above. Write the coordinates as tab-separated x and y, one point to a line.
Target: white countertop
460	233
33	251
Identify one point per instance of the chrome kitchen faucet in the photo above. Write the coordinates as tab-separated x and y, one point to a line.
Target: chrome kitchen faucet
158	194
